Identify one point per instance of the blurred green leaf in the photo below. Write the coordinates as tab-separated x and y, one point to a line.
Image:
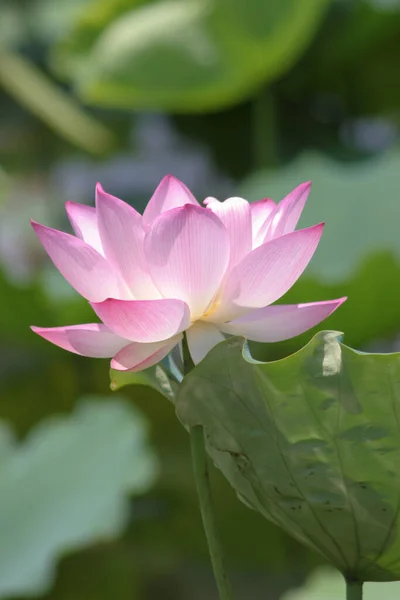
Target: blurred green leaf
66	486
12	26
103	572
31	88
172	534
155	377
326	584
354	60
312	442
183	55
358	203
359	253
49	20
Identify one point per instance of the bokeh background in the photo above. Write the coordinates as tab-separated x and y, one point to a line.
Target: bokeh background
234	97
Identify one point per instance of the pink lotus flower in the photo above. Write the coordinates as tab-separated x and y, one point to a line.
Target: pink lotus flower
209	271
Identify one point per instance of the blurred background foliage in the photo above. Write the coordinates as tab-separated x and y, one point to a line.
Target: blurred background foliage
234	97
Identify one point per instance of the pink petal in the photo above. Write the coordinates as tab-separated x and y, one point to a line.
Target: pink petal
284	218
170	193
94	339
122	236
260	211
144	321
137	357
201	338
187	250
235	214
84	223
269	271
281	321
82	266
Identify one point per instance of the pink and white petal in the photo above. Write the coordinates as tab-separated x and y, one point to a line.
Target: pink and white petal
201	338
209	199
187	251
93	339
170	193
260	211
122	235
144	321
83	219
284	218
281	321
136	357
269	271
235	214
82	266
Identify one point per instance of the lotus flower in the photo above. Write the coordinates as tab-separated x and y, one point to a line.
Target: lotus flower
205	270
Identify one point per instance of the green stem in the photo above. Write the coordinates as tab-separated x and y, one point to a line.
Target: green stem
200	468
354	590
202	478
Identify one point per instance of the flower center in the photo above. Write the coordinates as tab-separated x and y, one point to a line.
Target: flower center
215	304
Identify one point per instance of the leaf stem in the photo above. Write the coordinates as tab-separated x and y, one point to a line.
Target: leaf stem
354	590
202	478
36	92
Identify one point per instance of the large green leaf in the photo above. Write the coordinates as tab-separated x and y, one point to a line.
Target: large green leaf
66	486
185	55
312	442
